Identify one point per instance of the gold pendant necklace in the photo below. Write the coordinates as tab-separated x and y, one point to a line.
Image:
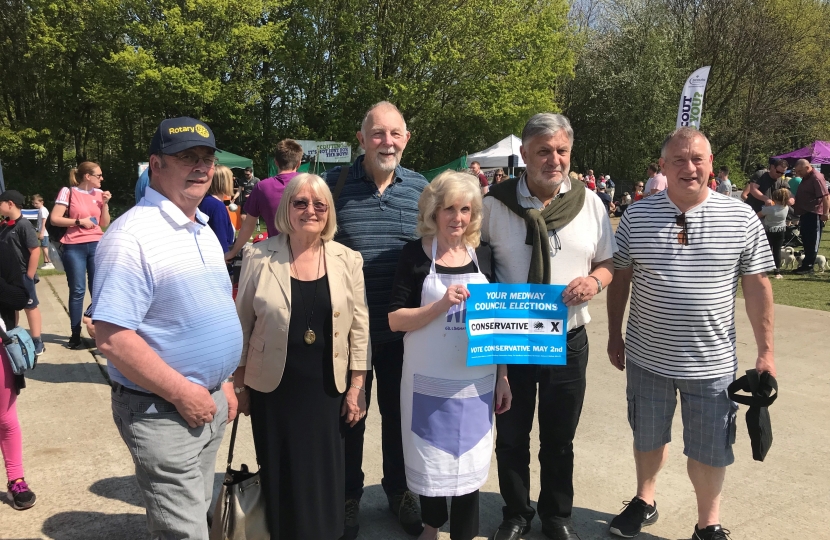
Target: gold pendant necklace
308	336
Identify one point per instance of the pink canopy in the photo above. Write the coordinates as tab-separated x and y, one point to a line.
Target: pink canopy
818	152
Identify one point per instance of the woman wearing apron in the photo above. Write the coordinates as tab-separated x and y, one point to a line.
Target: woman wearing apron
446	407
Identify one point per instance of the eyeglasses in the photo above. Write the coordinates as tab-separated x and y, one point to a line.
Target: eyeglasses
99	175
302	204
682	236
192	159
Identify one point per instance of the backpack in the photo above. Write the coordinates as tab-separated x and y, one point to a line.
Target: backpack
56	233
20	349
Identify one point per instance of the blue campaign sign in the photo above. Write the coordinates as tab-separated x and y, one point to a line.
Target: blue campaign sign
516	324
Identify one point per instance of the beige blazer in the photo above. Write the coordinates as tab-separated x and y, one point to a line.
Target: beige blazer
264	306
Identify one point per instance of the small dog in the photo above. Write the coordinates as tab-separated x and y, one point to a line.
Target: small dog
787	258
821	263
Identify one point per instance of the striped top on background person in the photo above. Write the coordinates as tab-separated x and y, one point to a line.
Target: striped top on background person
681	322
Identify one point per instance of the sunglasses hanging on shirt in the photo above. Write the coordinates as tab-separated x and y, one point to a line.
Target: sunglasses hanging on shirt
682	236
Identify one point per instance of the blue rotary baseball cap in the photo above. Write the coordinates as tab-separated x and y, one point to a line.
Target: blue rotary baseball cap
176	134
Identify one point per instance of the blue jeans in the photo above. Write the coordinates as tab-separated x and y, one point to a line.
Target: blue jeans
79	262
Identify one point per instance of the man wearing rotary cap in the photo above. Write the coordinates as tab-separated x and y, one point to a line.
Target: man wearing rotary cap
166	321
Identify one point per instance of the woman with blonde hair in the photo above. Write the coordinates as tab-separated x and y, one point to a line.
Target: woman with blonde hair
774	218
305	342
213	205
83	208
446	407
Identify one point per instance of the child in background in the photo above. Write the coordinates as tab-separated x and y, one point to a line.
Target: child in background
42	233
775	223
19	234
13	297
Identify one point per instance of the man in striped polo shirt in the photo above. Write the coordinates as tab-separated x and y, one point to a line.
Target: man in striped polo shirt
165	319
377	211
679	249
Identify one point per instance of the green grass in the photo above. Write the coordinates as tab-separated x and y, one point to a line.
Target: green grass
810	291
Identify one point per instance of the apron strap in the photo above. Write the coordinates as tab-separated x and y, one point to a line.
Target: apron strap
470	251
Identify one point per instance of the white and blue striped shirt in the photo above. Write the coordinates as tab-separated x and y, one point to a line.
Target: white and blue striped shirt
164	276
682	318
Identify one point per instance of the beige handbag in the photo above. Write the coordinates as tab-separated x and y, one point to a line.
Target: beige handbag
240	507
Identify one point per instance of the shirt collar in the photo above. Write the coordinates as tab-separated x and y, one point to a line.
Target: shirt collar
528	200
692	210
359	171
174	212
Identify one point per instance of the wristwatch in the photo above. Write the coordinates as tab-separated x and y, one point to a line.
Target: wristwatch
77	222
599	283
238	389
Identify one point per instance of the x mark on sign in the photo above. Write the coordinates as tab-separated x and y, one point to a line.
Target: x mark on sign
554	326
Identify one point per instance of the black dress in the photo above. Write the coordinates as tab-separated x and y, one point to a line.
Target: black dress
297	429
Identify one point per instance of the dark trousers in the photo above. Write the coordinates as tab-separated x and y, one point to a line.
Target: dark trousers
561	393
810	227
387	361
464	514
776	240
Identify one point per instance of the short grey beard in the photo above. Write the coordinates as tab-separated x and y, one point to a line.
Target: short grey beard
383	166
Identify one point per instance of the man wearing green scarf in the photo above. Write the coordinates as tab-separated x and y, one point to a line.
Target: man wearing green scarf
542	229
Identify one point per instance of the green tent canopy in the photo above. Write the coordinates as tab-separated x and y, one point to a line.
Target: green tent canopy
233	161
457	165
321	167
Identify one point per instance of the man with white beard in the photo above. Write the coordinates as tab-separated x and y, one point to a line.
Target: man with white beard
376	201
542	229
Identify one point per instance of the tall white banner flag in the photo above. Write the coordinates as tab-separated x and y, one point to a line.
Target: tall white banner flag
691	100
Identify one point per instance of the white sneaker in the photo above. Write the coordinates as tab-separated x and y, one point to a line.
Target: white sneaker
48	266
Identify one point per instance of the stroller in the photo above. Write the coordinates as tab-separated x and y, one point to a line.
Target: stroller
792	237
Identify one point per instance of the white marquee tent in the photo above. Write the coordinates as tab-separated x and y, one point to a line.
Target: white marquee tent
497	155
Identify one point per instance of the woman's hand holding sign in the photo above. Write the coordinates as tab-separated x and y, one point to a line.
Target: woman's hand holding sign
455	295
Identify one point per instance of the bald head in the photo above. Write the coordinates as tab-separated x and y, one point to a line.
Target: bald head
379	108
802	167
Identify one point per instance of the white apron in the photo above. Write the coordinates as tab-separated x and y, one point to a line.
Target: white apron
446	407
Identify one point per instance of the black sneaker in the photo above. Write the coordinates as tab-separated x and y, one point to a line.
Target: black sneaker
352	525
40	348
20	496
803	271
636	515
712	532
405	506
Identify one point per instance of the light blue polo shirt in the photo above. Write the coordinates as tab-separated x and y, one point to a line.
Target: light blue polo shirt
164	276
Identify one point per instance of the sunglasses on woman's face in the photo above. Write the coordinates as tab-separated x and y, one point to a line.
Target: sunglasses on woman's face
302	204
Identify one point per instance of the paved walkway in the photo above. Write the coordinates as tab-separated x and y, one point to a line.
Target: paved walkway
82	473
